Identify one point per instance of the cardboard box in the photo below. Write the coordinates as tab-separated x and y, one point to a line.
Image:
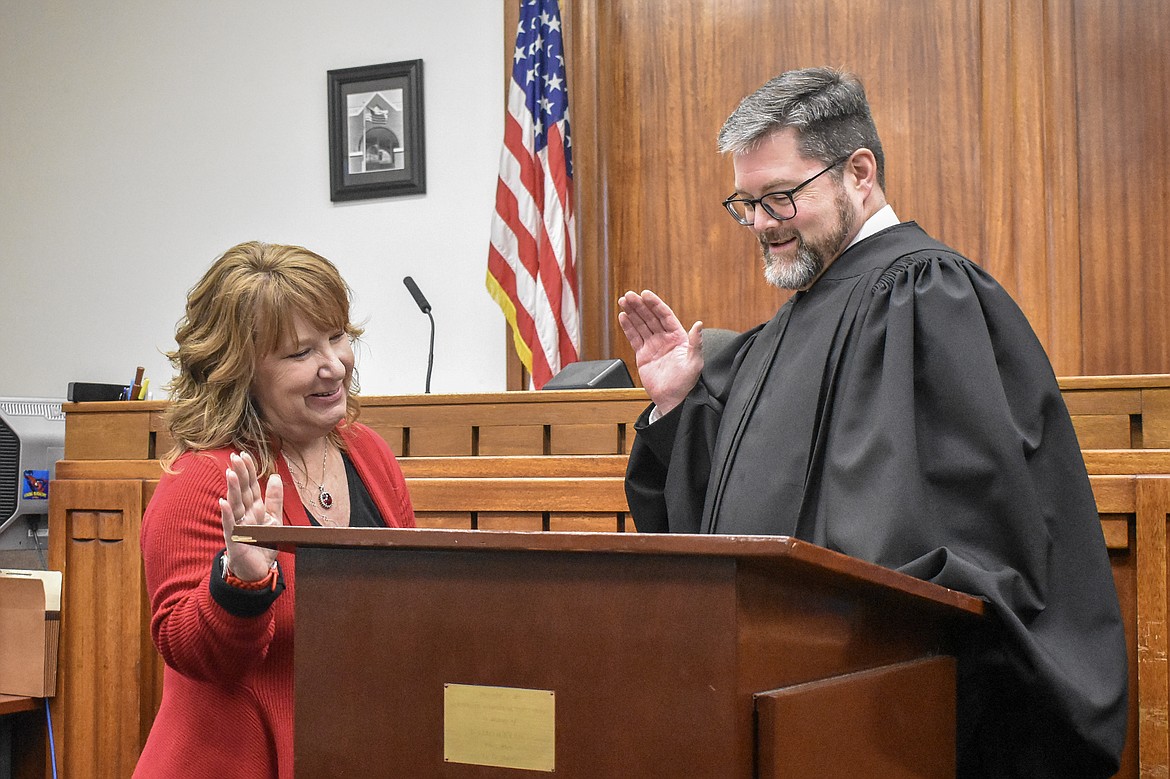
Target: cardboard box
30	629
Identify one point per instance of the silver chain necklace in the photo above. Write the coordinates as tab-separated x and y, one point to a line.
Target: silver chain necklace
324	497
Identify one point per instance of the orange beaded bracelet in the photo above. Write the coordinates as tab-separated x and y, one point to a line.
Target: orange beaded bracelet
267	583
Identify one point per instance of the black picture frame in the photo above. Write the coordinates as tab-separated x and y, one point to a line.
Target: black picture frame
376	143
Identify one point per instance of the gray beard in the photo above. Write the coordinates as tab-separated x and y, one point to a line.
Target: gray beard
811	257
799	273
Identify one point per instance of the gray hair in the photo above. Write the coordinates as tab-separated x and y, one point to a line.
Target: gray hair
827	107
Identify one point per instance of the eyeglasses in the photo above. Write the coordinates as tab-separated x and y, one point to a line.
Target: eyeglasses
779	205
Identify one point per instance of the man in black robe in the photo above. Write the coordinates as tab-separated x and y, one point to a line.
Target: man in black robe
897	408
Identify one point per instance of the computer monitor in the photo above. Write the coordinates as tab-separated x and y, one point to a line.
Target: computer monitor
32	440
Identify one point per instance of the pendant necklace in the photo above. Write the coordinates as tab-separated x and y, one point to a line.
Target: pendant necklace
324	497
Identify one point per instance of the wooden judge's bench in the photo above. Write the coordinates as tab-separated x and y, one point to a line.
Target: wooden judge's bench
530	461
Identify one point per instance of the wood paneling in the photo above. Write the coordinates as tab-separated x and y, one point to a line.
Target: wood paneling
1122	115
104	702
1152	509
1104	432
111	433
1156	418
511	440
1029	135
1030	238
674	70
1123	559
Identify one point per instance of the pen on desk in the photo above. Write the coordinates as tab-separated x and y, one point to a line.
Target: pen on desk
145	387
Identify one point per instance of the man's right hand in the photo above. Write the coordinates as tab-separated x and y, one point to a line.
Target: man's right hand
669	357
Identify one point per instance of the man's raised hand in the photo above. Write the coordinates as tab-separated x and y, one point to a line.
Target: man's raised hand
668	356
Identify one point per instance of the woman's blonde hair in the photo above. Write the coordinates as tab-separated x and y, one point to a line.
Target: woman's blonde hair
240	311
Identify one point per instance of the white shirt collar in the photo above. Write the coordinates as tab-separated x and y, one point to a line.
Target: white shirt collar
885	217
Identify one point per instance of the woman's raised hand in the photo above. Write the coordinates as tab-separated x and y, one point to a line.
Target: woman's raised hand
244	505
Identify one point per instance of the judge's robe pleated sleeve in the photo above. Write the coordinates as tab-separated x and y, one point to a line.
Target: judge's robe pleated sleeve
938	445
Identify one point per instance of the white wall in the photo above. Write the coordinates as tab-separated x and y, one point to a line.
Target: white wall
139	139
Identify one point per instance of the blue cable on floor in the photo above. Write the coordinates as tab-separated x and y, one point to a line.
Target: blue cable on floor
52	746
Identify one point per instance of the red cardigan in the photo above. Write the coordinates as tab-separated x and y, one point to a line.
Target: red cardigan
227	701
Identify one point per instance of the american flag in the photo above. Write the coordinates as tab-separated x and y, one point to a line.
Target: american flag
531	274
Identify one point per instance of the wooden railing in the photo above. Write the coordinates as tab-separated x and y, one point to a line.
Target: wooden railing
520	461
490	424
1119	412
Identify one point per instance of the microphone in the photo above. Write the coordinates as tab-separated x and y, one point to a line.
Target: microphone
424	307
417	294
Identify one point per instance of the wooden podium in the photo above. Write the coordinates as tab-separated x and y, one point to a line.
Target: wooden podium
452	653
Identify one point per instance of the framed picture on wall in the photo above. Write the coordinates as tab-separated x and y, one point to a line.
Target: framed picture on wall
376	131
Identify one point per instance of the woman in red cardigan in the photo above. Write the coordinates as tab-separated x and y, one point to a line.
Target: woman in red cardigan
265	398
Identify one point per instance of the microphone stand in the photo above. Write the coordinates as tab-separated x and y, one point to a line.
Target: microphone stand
425	307
430	351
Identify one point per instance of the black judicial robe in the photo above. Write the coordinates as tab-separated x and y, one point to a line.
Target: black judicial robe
902	411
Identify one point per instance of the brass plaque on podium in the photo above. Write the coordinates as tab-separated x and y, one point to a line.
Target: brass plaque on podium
504	727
